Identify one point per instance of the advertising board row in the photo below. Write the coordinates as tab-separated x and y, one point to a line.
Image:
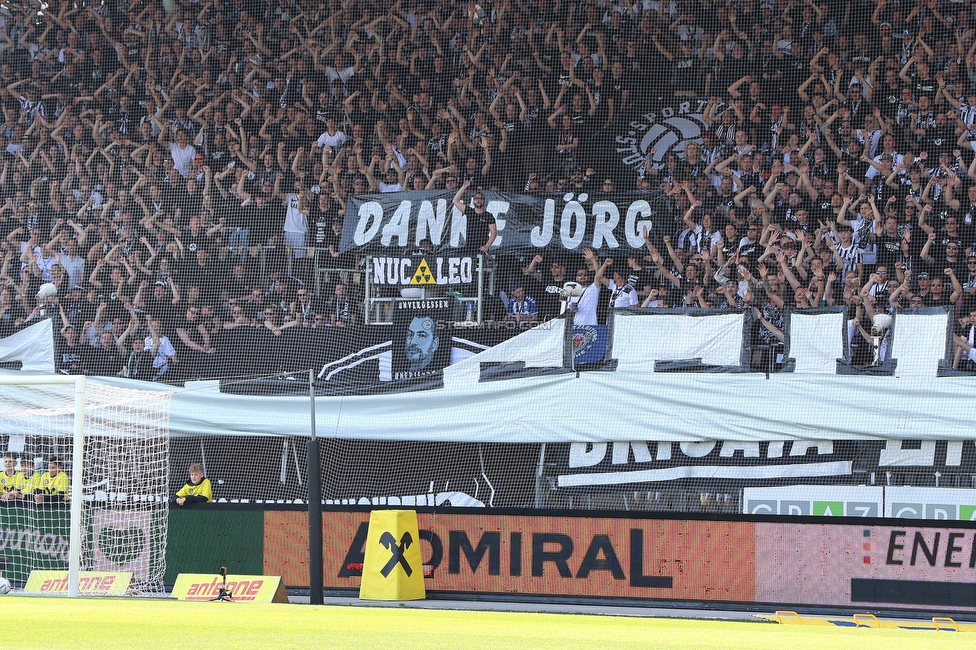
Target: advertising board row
830	564
912	563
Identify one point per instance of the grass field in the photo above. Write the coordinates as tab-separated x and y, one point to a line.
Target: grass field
131	623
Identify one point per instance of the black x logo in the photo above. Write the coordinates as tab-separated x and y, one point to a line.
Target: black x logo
397	550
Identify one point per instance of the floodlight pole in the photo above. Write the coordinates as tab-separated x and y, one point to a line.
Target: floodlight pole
315	587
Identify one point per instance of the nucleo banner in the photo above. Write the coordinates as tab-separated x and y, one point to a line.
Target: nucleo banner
423	271
831	564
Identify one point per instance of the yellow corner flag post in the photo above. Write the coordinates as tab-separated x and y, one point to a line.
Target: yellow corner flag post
393	569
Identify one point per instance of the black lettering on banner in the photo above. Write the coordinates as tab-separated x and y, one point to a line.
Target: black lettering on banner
436	547
423	304
930	554
591	562
430	271
952	548
515	554
356	554
892	547
637	577
491	543
560	558
388	541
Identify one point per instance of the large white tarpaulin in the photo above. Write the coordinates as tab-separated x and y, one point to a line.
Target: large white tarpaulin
629	401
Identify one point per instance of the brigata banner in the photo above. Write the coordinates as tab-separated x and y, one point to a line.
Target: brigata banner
753	463
582	464
402	221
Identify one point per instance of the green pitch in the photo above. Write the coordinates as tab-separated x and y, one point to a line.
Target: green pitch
104	624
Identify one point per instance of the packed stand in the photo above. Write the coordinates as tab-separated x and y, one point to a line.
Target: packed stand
174	174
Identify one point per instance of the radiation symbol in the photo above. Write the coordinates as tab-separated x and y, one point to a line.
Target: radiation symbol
423	274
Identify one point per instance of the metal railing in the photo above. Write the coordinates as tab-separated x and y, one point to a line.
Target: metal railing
378	309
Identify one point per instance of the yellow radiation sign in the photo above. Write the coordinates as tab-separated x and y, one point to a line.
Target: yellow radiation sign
393	569
423	274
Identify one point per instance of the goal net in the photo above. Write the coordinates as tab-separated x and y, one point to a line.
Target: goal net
85	481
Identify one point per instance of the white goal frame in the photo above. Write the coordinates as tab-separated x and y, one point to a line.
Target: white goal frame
77	463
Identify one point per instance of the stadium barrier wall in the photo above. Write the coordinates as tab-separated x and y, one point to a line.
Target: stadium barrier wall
198	541
201	540
863	563
33	537
812	561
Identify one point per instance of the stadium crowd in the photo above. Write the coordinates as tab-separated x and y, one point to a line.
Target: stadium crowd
151	158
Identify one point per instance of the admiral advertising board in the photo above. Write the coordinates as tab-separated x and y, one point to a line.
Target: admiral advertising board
539	555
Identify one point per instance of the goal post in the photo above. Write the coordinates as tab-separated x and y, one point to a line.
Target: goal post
117	507
77	462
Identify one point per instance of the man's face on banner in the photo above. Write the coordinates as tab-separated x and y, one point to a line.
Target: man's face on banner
421	342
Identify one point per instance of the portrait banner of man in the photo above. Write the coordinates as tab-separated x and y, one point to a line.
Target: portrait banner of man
422	339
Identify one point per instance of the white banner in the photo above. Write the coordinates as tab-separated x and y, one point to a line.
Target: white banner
930	503
814	500
32	346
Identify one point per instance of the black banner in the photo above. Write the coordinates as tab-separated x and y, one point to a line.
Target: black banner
351	360
506	475
607	465
388	224
418	349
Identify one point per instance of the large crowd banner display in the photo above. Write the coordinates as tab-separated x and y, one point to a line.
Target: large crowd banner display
404	221
805	563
